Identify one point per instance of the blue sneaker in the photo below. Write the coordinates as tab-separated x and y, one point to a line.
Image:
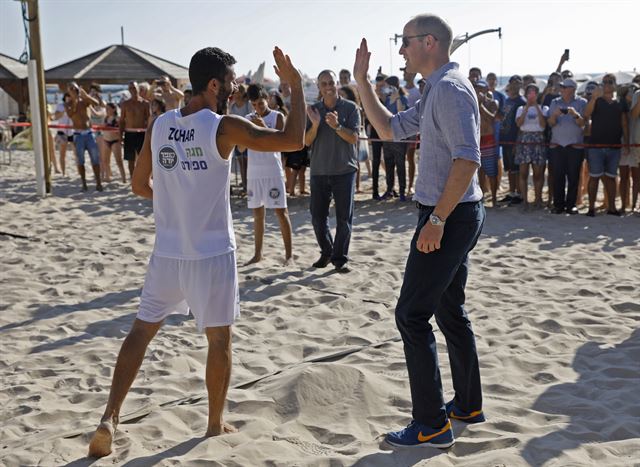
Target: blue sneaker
418	435
468	417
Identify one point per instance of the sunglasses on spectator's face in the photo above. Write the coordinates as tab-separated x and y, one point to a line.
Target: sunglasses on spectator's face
406	39
608	81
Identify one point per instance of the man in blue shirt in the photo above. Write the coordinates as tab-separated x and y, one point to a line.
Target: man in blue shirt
451	216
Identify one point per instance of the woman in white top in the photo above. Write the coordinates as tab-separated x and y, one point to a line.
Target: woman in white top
530	150
64	136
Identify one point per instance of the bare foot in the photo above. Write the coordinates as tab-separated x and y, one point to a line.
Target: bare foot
254	260
288	262
100	445
221	429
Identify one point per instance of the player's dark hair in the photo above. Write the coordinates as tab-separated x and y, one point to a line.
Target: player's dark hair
207	64
257	91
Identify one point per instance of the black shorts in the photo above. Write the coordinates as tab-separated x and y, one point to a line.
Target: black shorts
132	144
508	159
297	160
62	135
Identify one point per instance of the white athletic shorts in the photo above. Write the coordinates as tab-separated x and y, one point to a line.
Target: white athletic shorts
632	159
207	287
267	192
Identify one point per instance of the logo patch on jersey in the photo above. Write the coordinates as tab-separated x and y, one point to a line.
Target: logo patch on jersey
274	193
167	158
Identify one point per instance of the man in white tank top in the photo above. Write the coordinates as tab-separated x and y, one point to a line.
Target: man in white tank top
193	266
265	181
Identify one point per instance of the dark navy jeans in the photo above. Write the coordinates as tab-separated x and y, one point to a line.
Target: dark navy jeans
434	284
342	189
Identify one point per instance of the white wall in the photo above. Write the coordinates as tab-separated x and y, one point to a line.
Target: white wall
7	105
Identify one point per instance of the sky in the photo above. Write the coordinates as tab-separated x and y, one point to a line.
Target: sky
601	36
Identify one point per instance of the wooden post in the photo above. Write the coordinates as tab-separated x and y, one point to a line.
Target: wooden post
36	54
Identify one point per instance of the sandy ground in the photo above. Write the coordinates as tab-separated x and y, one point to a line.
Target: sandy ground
319	374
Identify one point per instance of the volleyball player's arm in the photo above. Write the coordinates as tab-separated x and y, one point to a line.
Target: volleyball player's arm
141	179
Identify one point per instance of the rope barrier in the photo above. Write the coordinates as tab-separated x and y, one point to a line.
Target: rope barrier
58	126
514	143
361	138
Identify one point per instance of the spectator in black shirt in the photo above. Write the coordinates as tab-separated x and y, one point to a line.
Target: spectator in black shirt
608	127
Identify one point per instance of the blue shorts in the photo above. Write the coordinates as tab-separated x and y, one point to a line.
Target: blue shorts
603	161
85	140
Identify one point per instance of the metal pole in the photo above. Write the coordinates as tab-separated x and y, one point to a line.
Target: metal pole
122	34
36	55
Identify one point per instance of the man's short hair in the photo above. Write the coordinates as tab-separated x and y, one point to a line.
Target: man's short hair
381	77
492	75
257	91
344	71
435	26
207	64
475	68
326	72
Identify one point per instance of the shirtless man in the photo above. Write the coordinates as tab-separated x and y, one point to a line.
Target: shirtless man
78	110
488	147
171	96
135	114
193	265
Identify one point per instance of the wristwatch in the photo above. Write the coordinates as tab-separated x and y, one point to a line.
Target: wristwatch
339	127
435	220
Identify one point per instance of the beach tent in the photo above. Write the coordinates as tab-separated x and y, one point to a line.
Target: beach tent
622	77
13	80
117	64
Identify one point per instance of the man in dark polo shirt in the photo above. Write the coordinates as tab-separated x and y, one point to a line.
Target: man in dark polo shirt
332	134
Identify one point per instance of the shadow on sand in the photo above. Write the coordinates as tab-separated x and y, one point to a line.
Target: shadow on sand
603	405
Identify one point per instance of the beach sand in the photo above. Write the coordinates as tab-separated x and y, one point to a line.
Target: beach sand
318	369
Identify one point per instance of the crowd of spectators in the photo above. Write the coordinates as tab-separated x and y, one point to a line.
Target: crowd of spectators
568	141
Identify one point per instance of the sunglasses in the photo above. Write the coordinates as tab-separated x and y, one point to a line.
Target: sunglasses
406	39
608	81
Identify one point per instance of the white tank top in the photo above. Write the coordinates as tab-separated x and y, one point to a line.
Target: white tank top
190	187
264	164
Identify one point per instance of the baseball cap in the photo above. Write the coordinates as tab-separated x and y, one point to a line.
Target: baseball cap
481	84
568	83
515	78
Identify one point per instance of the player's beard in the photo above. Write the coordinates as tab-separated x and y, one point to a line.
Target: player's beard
222	100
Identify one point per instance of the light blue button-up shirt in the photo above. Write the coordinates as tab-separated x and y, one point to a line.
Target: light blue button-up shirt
448	120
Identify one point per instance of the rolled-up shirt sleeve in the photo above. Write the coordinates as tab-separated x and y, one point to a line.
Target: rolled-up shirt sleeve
406	123
458	115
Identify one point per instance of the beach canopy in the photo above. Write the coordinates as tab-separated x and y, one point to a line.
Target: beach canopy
117	64
13	80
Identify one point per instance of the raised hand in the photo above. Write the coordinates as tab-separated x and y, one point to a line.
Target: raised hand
285	69
314	115
361	64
